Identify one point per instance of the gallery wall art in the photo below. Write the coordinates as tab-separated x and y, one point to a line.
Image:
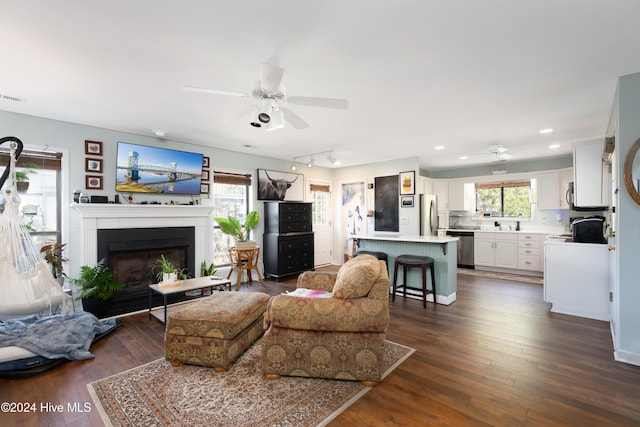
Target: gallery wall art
274	185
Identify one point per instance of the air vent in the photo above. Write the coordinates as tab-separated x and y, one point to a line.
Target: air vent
9	98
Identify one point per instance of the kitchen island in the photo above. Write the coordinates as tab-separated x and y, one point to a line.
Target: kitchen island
442	249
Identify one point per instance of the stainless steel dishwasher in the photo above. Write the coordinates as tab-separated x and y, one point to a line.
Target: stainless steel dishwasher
465	247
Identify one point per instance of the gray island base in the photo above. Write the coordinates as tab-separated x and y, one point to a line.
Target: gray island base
442	249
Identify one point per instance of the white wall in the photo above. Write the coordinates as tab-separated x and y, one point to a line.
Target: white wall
409	217
628	221
38	132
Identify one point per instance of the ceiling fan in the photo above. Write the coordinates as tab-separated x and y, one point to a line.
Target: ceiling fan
270	93
497	150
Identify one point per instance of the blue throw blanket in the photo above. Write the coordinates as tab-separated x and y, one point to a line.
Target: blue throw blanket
55	337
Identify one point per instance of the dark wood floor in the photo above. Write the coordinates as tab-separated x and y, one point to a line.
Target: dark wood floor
497	356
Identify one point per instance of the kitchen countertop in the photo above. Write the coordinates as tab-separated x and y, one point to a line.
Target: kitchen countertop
490	230
405	238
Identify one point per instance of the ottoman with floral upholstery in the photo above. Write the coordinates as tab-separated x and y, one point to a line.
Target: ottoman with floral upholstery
215	331
335	329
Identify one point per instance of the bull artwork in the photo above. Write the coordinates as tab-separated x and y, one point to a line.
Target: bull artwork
270	188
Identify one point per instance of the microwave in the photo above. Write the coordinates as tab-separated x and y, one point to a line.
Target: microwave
588	230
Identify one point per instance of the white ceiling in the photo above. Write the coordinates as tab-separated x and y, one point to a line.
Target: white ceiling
464	74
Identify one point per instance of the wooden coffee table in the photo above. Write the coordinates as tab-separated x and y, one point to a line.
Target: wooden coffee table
212	282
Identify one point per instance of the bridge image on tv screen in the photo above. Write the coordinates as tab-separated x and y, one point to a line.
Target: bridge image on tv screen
143	169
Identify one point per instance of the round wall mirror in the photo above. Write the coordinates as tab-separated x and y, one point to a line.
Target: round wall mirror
632	172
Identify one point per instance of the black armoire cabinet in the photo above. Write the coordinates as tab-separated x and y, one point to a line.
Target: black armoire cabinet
288	239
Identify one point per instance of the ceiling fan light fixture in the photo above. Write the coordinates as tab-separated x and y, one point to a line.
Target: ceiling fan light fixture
254	119
265	110
277	120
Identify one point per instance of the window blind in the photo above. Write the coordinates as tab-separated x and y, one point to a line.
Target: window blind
220	177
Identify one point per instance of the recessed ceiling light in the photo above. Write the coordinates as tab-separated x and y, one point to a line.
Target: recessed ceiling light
439	147
159	132
463	157
546	130
554	146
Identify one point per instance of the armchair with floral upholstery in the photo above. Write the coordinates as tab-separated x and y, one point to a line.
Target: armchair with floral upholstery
339	334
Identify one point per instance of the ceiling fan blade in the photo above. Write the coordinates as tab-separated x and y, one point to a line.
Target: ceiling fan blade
271	76
293	119
341	104
213	91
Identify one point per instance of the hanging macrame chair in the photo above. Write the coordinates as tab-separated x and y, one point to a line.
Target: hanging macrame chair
26	283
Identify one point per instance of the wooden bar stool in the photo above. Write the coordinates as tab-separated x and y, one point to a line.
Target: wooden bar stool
244	259
414	261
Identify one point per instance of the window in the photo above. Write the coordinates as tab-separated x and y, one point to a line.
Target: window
230	194
504	199
320	195
40	201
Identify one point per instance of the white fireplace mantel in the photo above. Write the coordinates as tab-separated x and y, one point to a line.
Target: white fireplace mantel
96	217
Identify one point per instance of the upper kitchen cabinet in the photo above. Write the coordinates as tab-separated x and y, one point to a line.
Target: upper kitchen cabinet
589	174
441	189
551	189
461	196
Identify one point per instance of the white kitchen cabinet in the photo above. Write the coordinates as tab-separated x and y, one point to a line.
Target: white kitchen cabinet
548	190
588	174
530	252
496	249
576	278
441	189
551	189
456	196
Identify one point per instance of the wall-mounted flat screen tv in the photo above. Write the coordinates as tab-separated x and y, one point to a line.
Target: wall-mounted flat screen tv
144	169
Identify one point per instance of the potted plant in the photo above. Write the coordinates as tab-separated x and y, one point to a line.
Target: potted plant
168	272
241	233
97	287
52	252
207	271
22	176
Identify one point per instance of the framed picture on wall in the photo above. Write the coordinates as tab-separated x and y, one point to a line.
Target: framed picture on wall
93	182
205	175
93	148
204	188
407	183
205	161
406	201
93	165
274	185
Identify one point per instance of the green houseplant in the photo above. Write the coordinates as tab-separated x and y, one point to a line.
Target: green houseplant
207	271
168	271
52	252
241	233
97	286
22	176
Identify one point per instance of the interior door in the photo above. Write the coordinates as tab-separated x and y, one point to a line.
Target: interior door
321	221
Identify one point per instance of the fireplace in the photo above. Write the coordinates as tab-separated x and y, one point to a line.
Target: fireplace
132	253
137	235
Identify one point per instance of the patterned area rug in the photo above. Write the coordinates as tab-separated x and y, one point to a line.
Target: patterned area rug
503	276
157	394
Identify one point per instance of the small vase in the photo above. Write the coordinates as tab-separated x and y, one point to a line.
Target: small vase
168	278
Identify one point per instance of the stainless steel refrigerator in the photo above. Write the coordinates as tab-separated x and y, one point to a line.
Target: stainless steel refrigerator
428	215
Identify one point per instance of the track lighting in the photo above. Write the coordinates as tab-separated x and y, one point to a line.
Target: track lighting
332	159
294	166
311	162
